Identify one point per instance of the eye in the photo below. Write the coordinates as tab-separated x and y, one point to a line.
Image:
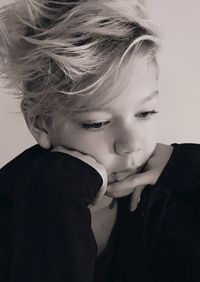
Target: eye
95	126
146	114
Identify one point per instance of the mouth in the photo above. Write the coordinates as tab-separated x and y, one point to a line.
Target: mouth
118	176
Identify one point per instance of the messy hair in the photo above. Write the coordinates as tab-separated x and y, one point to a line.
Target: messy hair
57	53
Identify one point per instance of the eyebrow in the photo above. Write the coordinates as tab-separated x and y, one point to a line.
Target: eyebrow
150	97
104	109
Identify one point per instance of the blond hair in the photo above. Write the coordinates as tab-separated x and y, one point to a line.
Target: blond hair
58	53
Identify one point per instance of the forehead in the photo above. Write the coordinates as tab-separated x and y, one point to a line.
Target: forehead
132	84
141	74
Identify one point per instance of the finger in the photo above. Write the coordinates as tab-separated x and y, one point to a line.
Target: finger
128	185
135	197
58	149
64	150
79	155
119	193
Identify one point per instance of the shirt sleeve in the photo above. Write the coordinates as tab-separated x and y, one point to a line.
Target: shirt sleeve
52	239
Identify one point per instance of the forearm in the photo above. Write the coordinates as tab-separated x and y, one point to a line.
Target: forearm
52	235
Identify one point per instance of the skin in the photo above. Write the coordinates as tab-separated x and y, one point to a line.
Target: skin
119	139
125	131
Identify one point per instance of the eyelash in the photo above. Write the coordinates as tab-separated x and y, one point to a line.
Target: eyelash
97	126
94	126
146	114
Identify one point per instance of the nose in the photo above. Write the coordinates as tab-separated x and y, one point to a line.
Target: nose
127	142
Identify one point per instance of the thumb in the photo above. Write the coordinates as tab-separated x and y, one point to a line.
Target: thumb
135	197
148	177
141	179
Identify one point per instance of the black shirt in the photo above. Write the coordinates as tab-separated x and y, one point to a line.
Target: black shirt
46	233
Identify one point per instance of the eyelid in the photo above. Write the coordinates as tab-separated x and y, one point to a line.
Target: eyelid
148	112
88	125
93	121
90	122
92	116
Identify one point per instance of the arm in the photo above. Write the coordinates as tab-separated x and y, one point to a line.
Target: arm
52	239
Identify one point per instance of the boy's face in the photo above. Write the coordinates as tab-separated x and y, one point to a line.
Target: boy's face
121	136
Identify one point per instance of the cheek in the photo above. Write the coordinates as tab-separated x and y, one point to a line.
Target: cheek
99	147
149	137
91	144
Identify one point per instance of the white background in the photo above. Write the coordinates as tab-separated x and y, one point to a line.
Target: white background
179	60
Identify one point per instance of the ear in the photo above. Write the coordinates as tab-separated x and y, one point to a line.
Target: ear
40	132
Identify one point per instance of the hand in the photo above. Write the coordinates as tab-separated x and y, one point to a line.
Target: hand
134	184
93	163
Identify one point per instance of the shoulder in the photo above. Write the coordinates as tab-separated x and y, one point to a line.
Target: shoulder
189	151
182	172
176	197
23	159
21	163
178	187
187	155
